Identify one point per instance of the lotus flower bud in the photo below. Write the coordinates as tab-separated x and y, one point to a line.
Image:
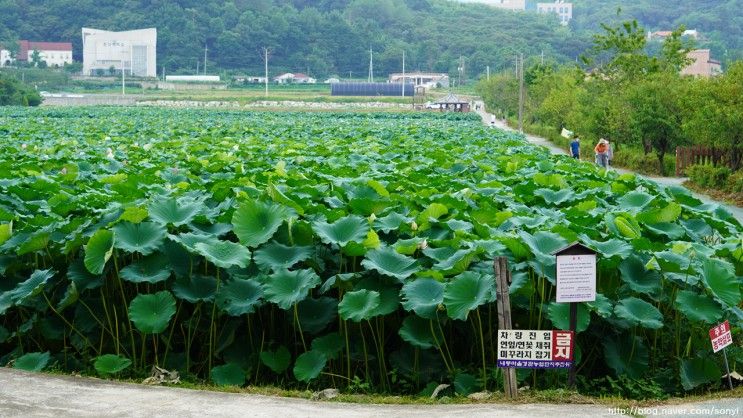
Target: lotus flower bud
23	146
414	226
423	245
372	217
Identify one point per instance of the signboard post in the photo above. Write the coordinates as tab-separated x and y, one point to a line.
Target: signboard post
576	282
721	337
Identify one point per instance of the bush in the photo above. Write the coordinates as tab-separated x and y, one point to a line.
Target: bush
15	93
709	176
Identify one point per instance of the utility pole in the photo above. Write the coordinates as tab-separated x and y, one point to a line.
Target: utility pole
521	94
371	65
462	79
349	75
265	58
488	72
542	57
206	48
163	73
403	73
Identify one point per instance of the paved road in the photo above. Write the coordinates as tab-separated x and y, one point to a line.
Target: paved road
24	394
737	212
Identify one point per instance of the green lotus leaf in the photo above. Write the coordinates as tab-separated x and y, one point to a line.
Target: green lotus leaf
309	365
389	294
4	334
434	211
670	230
36	242
316	314
6	301
423	296
697	229
144	238
83	279
388	262
602	306
278	360
638	278
391	222
719	277
638	312
152	313
545	243
239	297
255	222
154	268
329	345
71	296
611	248
286	288
278	256
465	293
189	240
698	371
6	231
698	307
670	213
457	225
348	229
99	250
559	314
32	362
408	246
278	196
419	332
450	260
623	225
229	374
195	288
171	211
634	201
555	197
358	305
33	286
626	355
108	364
224	254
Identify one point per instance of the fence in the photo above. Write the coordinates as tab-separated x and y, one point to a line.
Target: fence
686	156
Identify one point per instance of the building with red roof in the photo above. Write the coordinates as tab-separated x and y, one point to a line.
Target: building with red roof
56	54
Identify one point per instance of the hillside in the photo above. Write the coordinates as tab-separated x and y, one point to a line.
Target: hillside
322	38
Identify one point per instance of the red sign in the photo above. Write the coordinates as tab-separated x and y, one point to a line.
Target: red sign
562	345
720	336
532	349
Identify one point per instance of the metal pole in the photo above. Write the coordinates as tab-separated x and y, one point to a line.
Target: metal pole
206	48
488	71
403	73
727	368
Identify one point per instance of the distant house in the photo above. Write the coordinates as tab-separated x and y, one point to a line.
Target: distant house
421	79
55	54
563	10
663	34
501	4
297	78
702	64
332	80
5	58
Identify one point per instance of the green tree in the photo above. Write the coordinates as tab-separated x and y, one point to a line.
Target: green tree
15	93
714	112
656	113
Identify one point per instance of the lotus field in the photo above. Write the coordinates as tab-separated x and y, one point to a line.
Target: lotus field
347	250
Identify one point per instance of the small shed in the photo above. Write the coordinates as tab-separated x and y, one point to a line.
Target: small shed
372	89
452	103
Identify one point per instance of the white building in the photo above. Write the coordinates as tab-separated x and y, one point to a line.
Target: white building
420	79
501	4
55	54
134	52
297	78
4	57
562	9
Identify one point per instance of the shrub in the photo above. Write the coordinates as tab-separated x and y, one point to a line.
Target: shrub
706	175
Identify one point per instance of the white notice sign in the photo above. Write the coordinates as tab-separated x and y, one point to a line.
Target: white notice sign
576	278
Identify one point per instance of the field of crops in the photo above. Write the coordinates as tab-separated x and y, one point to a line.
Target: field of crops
340	250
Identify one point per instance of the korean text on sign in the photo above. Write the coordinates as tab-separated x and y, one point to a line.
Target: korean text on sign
720	336
535	349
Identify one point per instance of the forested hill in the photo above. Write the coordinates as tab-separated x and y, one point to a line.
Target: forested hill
322	37
720	22
333	37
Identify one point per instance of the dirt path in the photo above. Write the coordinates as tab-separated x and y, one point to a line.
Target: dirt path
24	394
737	212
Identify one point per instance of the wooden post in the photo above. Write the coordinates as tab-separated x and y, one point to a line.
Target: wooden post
502	282
678	162
573	327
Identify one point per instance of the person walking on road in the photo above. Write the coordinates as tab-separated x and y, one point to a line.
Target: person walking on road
602	156
575	147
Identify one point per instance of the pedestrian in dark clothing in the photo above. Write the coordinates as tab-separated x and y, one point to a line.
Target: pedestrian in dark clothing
575	147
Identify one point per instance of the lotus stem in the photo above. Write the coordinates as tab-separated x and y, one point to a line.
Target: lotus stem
299	326
482	350
72	327
212	341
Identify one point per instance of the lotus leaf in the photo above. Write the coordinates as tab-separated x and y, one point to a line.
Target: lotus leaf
255	222
152	313
343	231
309	365
638	312
388	262
32	362
144	238
287	288
278	256
224	254
98	251
465	293
108	364
358	305
423	296
229	374
278	360
239	297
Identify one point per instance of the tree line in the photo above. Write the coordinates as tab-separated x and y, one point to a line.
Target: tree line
635	99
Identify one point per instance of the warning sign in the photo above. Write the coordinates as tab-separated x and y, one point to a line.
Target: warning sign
720	336
528	349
